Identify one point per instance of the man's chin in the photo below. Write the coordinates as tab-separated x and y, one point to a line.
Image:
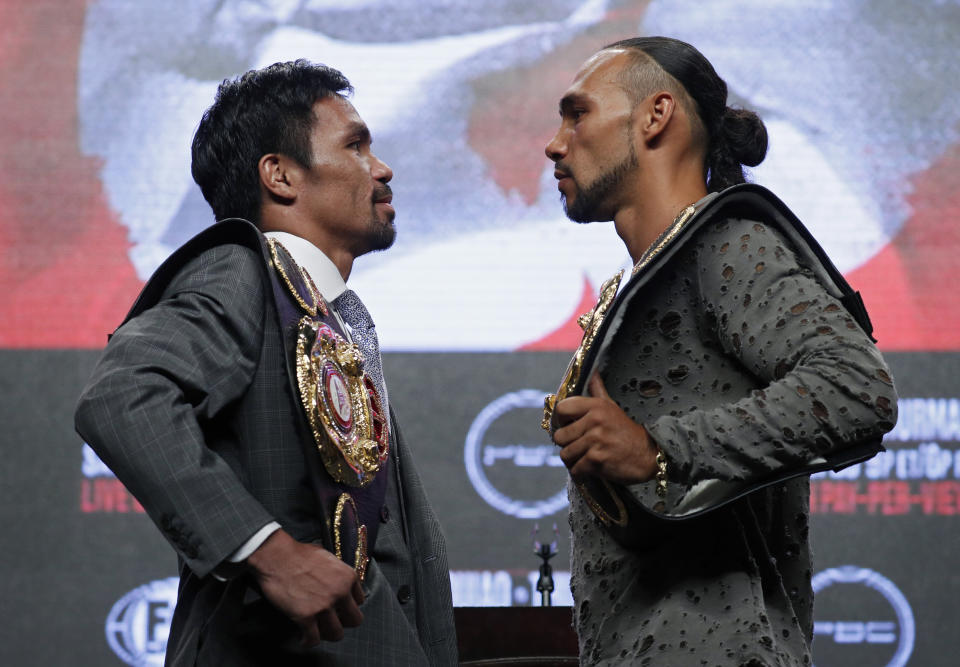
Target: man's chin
383	236
577	212
581	215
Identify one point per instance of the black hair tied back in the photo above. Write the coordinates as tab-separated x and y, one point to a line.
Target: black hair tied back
745	135
739	138
735	137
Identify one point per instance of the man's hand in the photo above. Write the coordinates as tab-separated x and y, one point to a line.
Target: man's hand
598	439
314	588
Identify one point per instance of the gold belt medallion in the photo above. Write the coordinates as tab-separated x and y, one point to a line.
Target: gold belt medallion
590	323
343	407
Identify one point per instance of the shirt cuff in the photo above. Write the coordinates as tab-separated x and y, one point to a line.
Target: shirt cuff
229	567
253	543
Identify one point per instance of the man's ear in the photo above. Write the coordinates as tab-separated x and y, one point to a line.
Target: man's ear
657	112
278	175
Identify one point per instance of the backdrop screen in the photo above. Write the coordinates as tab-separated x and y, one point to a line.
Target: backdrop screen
476	303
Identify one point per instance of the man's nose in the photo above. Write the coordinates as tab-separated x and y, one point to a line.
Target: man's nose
381	171
557	148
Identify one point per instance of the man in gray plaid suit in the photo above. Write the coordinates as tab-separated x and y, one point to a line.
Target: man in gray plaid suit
199	403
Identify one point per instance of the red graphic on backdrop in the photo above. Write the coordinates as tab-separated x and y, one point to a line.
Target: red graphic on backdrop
107	495
567	336
65	277
886	498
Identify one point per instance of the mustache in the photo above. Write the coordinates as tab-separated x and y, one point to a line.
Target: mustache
381	192
564	169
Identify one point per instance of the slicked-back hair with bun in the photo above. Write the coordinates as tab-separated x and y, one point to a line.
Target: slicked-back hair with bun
732	137
269	110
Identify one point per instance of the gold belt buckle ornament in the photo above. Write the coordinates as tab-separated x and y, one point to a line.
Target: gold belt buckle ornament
590	323
349	534
343	408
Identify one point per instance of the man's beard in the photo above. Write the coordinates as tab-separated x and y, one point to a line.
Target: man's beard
382	234
588	205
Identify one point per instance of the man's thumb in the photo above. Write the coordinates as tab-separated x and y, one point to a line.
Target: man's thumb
596	387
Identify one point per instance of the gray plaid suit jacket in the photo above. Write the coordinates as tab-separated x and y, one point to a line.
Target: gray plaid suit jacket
192	408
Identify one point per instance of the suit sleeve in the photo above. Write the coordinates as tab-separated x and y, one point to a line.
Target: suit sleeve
821	382
164	377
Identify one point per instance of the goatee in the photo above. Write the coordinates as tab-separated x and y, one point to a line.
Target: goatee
382	232
588	205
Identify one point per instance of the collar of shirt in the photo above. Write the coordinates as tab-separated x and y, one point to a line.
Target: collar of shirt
320	268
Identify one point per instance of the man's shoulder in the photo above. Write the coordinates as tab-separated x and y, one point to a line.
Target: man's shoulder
735	236
227	255
217	264
738	228
234	239
749	217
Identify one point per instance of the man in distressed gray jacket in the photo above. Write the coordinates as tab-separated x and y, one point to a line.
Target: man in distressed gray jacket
735	364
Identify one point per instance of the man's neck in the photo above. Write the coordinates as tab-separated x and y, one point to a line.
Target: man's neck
641	221
321	269
340	256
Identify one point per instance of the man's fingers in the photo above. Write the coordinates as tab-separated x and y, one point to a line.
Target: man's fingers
357	591
572	408
582	468
310	634
328	626
574	412
564	436
349	613
597	388
572	453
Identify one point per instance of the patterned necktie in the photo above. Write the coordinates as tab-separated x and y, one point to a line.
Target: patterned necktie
356	315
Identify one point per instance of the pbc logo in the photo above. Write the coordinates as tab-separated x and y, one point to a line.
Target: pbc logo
868	620
138	625
511	461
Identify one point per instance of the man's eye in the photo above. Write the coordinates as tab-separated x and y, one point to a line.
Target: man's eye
356	146
576	114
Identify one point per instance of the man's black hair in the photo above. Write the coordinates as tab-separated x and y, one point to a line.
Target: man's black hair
268	110
734	137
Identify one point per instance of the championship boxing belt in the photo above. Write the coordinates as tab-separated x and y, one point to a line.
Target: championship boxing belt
348	425
626	518
344	429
